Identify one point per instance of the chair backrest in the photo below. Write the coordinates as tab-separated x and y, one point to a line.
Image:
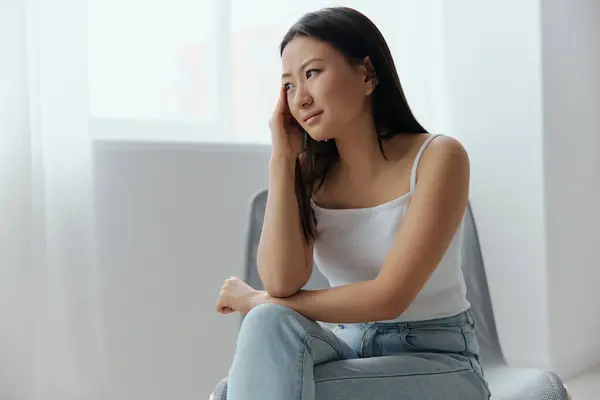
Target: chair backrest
478	294
473	270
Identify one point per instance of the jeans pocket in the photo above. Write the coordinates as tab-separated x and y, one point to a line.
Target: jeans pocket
470	340
439	339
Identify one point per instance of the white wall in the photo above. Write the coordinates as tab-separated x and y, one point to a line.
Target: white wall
494	100
172	227
524	94
571	79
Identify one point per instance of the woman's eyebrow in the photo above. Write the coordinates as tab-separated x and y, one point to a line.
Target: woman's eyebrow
304	64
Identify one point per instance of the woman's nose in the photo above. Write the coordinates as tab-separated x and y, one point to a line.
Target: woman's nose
303	98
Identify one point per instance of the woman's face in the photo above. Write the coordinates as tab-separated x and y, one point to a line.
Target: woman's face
325	93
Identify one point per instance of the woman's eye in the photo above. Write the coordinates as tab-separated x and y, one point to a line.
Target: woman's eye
312	72
287	86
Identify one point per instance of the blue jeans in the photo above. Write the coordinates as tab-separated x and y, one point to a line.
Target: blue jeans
277	350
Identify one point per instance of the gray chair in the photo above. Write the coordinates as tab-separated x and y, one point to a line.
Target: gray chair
506	382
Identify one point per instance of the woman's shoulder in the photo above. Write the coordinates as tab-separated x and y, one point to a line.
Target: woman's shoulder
444	162
438	156
407	146
443	150
436	150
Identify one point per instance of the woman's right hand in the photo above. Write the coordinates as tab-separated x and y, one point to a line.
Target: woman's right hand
287	136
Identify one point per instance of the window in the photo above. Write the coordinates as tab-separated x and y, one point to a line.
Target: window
208	70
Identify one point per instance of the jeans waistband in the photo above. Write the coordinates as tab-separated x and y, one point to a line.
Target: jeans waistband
460	318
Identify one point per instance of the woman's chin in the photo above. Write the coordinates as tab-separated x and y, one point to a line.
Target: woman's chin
317	135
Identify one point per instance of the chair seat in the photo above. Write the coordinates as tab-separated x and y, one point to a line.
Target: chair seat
524	384
385	378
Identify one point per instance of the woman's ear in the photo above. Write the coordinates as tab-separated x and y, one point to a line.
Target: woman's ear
371	80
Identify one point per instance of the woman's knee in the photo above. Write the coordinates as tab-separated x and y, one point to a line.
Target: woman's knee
268	314
271	319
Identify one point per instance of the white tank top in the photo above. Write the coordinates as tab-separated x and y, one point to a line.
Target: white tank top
352	244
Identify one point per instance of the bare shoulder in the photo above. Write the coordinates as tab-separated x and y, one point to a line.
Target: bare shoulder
447	144
445	156
442	186
442	152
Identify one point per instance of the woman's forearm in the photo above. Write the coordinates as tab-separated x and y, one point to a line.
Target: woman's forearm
353	303
282	252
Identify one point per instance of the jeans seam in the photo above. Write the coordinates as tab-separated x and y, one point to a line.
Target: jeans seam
326	341
464	353
302	359
362	342
411	374
476	371
405	342
462	332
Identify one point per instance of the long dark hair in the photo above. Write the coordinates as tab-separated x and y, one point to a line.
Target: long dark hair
355	36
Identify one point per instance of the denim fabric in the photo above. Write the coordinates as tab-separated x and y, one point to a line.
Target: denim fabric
283	355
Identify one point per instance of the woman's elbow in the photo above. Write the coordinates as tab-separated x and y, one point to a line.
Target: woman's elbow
279	290
283	283
284	286
391	307
389	313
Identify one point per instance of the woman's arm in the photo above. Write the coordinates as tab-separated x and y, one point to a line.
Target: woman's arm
436	210
284	258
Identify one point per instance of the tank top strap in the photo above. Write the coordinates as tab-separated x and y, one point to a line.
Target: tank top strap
413	174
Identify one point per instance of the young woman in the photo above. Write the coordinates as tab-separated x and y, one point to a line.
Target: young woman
357	186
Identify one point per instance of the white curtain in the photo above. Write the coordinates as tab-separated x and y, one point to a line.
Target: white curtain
50	341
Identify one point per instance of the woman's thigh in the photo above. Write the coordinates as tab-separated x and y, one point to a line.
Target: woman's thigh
419	356
400	377
449	342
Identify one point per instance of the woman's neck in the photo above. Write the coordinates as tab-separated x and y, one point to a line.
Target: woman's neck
360	155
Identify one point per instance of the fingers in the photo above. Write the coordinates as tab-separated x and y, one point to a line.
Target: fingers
282	101
225	310
222	306
281	109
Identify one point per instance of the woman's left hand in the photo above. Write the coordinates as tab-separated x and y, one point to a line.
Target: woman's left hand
237	295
